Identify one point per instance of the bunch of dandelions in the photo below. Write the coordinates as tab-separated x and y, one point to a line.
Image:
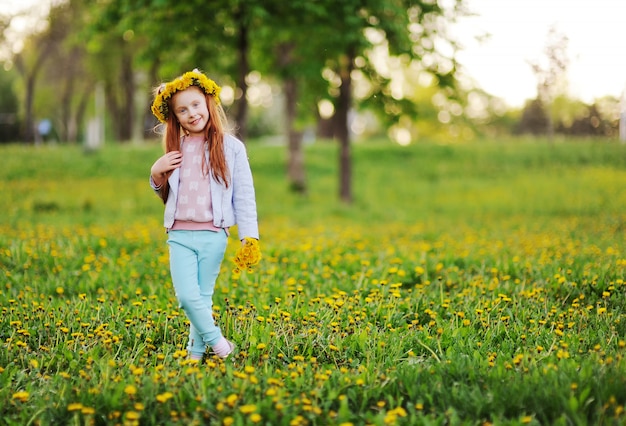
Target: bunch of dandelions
247	256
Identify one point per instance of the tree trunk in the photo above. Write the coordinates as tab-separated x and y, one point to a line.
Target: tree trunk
127	108
325	128
29	120
295	161
549	122
66	107
79	116
343	133
112	107
147	117
295	168
28	131
241	117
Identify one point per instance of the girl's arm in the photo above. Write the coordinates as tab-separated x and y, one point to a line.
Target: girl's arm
165	164
244	200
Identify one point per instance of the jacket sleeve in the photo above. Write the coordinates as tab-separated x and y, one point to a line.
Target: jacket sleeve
153	185
244	199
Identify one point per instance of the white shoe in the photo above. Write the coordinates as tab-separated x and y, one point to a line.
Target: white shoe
225	352
231	349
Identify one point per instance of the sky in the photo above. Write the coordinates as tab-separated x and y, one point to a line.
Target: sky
518	31
596	50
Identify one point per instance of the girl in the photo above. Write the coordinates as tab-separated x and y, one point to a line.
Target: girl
205	181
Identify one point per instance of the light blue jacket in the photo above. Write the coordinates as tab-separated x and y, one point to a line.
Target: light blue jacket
235	205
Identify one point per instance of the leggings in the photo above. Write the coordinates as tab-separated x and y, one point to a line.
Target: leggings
195	260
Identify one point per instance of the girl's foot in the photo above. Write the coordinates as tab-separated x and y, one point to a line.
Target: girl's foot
195	357
223	348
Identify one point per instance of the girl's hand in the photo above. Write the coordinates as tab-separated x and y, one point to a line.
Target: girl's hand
165	164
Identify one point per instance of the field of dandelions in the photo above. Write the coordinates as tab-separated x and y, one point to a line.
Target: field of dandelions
475	284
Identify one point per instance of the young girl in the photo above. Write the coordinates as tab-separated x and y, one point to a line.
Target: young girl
205	181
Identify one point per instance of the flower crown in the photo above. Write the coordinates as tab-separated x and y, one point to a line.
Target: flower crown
165	91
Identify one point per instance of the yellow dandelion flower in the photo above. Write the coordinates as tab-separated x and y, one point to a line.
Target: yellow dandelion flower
130	390
231	399
21	396
228	421
247	409
75	406
247	256
164	397
390	418
255	418
132	415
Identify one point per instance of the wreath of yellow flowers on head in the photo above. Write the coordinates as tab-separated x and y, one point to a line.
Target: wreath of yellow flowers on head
167	90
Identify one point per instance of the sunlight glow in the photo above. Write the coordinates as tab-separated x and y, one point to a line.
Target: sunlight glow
400	135
326	108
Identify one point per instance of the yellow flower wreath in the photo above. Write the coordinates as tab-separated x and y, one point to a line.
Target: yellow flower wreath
167	90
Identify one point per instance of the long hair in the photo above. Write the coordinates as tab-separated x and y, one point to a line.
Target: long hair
214	136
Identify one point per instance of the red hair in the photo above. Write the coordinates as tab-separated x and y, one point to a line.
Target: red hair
214	136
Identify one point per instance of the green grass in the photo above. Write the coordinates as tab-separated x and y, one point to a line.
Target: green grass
468	284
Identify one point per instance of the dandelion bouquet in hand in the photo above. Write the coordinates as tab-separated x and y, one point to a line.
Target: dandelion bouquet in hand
247	256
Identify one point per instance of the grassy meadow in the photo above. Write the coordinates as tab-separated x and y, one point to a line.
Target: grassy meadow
466	284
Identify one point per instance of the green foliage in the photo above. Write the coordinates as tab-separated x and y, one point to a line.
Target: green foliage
467	284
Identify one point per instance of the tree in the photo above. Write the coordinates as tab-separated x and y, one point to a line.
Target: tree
60	73
409	30
180	36
288	53
534	118
9	124
341	44
551	74
29	62
68	84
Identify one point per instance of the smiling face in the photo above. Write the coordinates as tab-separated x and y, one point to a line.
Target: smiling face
191	110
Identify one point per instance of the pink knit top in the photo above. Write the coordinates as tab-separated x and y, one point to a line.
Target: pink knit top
194	210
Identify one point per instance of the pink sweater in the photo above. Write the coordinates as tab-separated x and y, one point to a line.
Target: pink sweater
194	211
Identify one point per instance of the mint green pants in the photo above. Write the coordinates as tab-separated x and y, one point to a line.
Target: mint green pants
195	260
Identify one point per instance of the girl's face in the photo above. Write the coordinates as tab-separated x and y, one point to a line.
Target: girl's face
191	110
